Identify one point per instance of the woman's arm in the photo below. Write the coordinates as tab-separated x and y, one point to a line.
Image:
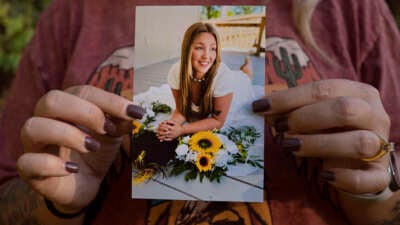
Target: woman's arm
176	115
171	129
217	119
371	212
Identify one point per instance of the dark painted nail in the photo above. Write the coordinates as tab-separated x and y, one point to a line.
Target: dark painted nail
71	167
291	144
327	175
135	111
110	127
281	125
92	144
261	105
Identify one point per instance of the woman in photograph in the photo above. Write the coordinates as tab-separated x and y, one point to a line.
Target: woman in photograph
316	174
205	90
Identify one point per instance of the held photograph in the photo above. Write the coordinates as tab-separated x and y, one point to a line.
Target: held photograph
197	70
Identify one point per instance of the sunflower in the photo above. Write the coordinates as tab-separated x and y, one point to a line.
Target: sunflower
143	176
136	126
204	162
205	141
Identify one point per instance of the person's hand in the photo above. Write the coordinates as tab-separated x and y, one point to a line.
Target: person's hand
169	130
71	141
341	121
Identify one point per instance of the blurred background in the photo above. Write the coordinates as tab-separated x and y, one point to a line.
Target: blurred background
17	23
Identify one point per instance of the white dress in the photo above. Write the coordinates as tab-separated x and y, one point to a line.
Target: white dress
225	82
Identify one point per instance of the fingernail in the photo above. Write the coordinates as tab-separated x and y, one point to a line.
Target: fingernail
135	111
71	167
261	105
291	144
92	144
327	175
109	127
281	125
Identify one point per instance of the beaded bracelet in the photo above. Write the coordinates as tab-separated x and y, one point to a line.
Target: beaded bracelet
55	212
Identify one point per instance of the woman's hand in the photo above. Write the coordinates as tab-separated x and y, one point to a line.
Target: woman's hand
71	141
169	130
340	121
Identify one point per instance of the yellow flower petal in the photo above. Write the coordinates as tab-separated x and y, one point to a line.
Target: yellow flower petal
136	126
204	162
205	141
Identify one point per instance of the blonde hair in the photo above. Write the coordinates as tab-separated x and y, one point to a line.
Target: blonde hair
186	70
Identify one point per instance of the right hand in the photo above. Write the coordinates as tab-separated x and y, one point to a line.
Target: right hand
70	143
169	130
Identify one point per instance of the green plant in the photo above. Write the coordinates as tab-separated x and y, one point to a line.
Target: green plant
394	6
17	23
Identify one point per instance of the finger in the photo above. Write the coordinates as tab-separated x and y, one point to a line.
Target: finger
34	165
357	181
164	130
161	138
171	122
352	144
64	106
110	103
168	139
49	175
339	112
52	132
292	98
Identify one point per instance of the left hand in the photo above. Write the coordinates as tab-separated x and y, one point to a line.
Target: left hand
340	121
169	130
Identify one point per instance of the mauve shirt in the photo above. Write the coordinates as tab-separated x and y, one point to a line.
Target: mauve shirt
74	38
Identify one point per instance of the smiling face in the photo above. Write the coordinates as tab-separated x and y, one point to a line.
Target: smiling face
204	52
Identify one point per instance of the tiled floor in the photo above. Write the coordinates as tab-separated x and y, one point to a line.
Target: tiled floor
156	74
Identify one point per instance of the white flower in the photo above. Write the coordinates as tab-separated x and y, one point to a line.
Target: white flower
222	158
191	156
186	139
181	151
229	145
150	112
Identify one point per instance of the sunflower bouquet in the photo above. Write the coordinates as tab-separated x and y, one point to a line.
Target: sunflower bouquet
208	153
205	154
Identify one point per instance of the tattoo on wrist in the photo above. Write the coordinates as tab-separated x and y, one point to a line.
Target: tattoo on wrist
396	218
17	202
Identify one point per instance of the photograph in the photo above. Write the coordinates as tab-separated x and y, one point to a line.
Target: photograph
197	71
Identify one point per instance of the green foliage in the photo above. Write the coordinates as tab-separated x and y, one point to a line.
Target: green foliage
214	11
210	12
159	107
180	166
17	24
244	135
394	6
245	10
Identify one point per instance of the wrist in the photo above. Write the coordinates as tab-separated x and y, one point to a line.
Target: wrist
183	129
63	211
372	197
